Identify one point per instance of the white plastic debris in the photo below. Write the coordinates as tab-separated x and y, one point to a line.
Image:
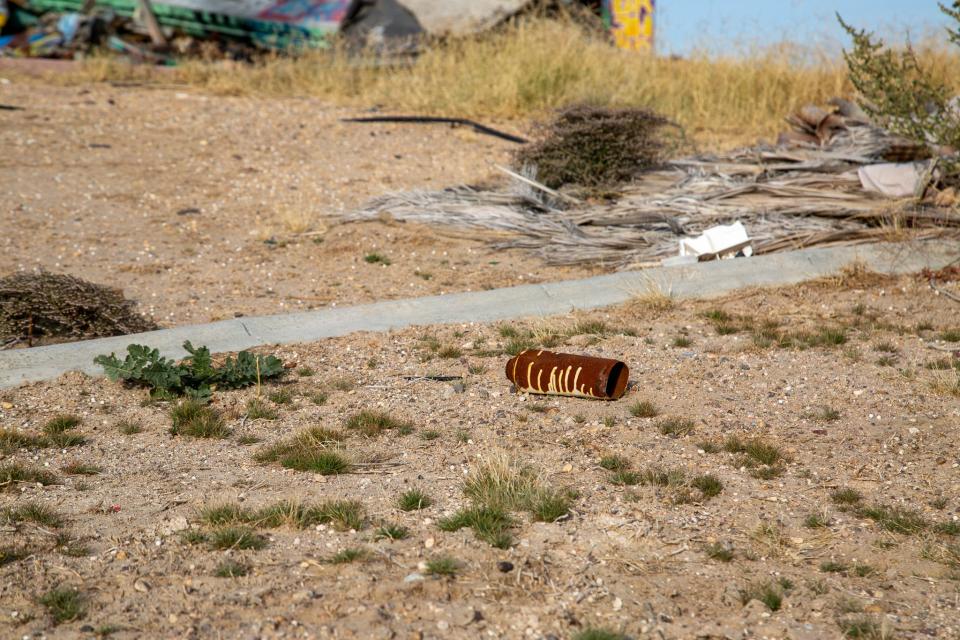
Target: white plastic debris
892	179
722	241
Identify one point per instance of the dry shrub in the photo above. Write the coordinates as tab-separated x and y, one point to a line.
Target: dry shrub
48	305
596	146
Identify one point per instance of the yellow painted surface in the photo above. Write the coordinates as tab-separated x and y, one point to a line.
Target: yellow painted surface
632	24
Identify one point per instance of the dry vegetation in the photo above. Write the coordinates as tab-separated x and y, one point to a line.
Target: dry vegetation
532	66
731	491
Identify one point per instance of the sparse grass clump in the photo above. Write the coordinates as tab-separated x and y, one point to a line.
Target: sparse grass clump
348	555
281	396
769	593
846	498
429	434
682	342
342	384
830	566
708	485
315	449
599	634
11	440
10	554
816	521
13	473
392	531
306	372
950	335
614	462
414	499
449	352
644	409
373	423
676	427
61	424
825	414
862	627
64	604
78	468
719	551
443	566
257	409
894	519
59	432
129	428
758	450
490	524
34	512
550	506
377	258
191	418
659	477
231	569
496	487
625	478
235	537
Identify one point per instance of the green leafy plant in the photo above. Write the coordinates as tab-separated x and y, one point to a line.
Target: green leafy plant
195	376
900	94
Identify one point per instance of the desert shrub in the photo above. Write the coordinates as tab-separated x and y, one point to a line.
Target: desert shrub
902	95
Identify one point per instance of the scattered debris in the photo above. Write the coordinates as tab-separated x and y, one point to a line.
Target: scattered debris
537	371
894	180
803	192
50	307
721	241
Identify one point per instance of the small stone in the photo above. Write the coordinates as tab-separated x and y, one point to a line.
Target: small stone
505	567
6	405
567	468
617	604
429	542
443	625
172	618
86	628
121	555
141	585
413	577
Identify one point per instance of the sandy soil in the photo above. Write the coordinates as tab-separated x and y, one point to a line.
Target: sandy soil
197	206
627	558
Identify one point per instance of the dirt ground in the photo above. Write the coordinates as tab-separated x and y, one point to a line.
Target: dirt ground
874	410
204	207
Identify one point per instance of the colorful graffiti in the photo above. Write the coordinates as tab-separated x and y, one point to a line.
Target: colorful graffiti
631	23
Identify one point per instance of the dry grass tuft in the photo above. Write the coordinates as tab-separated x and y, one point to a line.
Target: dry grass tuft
532	67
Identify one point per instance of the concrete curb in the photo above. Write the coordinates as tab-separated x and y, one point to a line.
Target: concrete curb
699	280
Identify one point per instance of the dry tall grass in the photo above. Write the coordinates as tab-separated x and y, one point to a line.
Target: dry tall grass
531	66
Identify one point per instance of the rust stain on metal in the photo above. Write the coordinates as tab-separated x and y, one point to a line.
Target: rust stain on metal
564	374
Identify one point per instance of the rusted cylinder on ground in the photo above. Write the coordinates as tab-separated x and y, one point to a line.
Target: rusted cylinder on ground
565	374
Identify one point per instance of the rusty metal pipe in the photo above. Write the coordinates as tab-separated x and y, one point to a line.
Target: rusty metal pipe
565	374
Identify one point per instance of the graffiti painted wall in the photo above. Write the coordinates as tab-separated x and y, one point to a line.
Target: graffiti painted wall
631	23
